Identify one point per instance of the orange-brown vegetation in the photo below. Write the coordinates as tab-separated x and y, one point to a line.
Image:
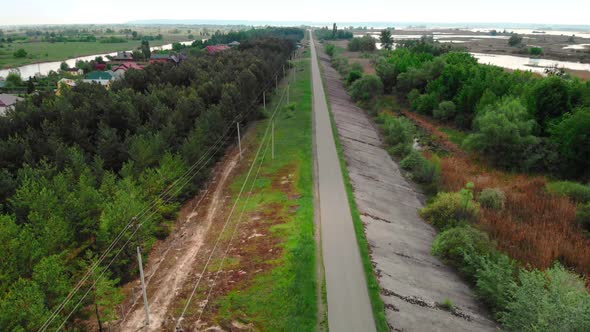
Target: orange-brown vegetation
535	227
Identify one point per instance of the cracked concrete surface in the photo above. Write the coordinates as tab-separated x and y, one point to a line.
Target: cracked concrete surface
414	283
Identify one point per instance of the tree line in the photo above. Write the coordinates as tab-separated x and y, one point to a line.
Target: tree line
76	168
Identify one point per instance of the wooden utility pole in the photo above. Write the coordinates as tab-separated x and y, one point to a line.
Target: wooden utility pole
239	140
264	99
145	300
272	139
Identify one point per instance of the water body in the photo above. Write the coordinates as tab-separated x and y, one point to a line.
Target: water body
45	67
523	63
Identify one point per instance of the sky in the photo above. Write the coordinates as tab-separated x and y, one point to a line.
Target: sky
13	12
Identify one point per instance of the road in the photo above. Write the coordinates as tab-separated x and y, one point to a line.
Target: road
349	308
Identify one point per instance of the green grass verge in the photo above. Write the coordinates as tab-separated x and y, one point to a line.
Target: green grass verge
283	298
372	283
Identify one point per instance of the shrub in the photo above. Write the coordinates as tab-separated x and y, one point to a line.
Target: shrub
494	279
424	103
20	53
456	244
340	64
536	51
577	192
492	198
353	75
450	209
330	48
364	44
553	300
445	111
412	161
357	66
400	132
366	88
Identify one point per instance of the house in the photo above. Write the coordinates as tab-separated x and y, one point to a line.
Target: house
159	57
124	56
100	66
99	75
120	70
217	48
7	101
64	83
74	71
234	44
177	59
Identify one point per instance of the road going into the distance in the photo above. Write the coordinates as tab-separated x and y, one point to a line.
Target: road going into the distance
349	308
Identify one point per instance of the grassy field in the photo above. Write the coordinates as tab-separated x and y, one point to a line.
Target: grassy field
372	283
46	51
282	296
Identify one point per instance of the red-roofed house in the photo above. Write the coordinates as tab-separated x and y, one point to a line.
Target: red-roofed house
126	66
100	66
217	48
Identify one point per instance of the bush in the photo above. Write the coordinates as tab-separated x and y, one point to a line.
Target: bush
553	300
492	198
340	64
424	103
20	53
330	48
494	278
366	88
577	192
446	111
456	244
353	75
363	44
450	209
536	51
422	170
399	133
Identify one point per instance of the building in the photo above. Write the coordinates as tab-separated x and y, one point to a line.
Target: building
159	58
217	48
99	75
120	70
124	56
7	101
100	66
234	44
74	71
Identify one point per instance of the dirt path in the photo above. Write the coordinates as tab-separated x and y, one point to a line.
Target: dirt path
173	261
413	282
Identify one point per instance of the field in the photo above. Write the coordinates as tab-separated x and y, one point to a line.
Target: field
34	40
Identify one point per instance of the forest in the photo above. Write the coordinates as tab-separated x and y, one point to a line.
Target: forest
77	168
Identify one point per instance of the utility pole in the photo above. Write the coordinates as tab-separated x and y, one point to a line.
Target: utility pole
288	93
276	82
283	70
272	139
264	99
145	300
239	140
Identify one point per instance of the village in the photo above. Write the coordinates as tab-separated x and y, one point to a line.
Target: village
98	71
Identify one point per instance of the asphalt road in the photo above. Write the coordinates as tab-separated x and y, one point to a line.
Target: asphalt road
349	308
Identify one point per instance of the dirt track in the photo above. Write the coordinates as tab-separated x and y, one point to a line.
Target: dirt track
172	262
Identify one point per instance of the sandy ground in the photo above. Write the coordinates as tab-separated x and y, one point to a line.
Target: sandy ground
173	260
413	282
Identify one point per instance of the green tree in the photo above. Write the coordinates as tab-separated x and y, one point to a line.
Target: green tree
572	136
550	99
64	66
515	40
386	39
502	133
145	49
334	31
366	88
23	307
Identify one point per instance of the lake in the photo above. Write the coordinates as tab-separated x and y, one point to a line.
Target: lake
45	67
524	63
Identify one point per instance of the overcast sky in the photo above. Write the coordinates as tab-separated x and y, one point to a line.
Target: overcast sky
443	11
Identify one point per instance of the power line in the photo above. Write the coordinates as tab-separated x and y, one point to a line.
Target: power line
141	214
229	216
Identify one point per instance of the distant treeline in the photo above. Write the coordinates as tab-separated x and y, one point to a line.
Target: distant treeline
76	168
